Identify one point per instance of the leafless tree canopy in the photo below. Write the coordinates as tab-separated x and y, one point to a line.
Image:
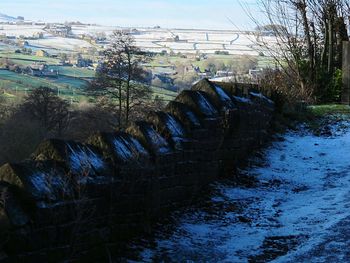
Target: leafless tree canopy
44	106
308	42
121	75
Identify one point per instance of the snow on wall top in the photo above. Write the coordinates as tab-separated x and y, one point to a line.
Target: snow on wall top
83	160
42	181
121	148
190	115
205	106
224	98
174	127
242	100
157	141
137	147
222	94
48	185
261	96
128	148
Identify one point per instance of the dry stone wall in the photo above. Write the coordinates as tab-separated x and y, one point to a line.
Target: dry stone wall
70	199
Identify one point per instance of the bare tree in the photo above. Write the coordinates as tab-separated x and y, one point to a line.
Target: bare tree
4	109
121	76
308	35
46	107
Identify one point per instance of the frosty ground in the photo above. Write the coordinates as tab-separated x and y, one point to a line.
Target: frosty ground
293	206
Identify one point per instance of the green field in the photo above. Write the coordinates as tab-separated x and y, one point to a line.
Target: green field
75	72
25	60
170	61
19	83
14	83
70	83
327	109
164	94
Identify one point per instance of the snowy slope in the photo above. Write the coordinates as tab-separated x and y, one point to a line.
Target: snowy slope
297	212
5	18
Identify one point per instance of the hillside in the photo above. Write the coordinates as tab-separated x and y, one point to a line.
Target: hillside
5	18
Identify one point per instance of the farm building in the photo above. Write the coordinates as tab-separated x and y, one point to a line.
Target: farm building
255	73
41	70
224	73
59	30
41	53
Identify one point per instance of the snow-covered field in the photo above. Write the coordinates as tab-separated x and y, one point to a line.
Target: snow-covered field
199	40
191	41
20	30
297	211
60	43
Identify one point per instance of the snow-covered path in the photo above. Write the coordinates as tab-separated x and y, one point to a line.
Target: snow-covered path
297	211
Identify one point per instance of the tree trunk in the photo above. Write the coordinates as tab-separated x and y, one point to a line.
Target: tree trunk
127	109
326	45
331	35
120	102
301	6
342	35
330	64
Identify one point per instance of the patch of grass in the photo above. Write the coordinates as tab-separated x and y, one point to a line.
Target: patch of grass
75	72
329	109
70	88
8	95
25	60
20	84
325	115
313	116
317	118
164	94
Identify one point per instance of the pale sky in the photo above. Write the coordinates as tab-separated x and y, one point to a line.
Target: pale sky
169	13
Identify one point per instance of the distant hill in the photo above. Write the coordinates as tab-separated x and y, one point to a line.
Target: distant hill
6	18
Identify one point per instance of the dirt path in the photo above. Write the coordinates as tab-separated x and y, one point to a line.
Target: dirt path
297	211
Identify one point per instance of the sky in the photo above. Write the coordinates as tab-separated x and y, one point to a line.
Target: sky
213	14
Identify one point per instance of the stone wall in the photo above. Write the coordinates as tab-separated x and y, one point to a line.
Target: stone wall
70	199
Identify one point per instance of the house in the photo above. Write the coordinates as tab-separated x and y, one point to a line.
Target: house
40	23
59	30
134	31
38	35
224	73
255	73
164	78
36	69
41	53
203	75
41	70
81	62
176	39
